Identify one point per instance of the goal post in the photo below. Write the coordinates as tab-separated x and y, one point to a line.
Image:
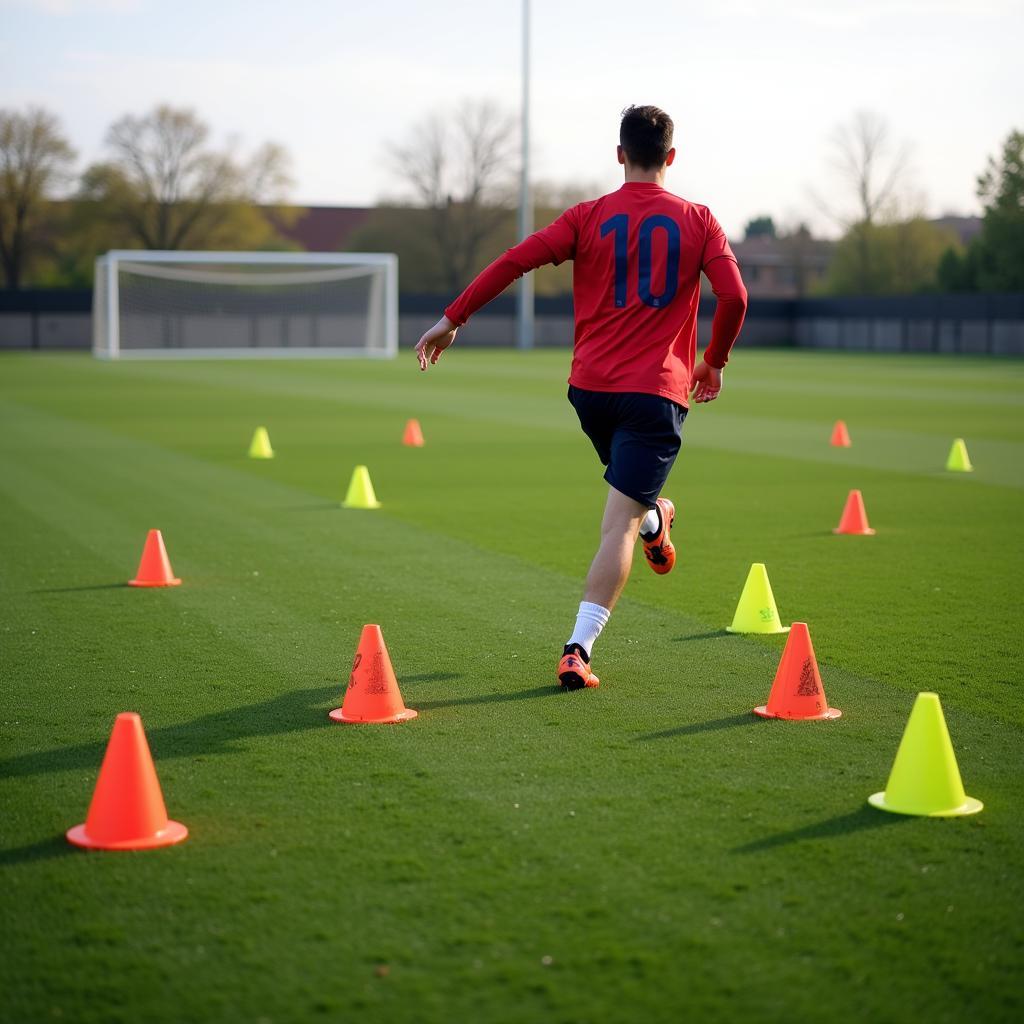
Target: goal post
167	304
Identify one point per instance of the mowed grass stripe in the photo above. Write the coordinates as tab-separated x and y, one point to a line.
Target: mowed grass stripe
467	575
997	462
933	539
500	505
700	843
762	418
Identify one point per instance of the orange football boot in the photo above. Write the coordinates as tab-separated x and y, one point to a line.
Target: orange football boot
660	551
574	673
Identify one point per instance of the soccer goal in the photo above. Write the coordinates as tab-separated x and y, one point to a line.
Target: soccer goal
245	304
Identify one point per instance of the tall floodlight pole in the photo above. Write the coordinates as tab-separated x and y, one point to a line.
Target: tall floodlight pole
525	298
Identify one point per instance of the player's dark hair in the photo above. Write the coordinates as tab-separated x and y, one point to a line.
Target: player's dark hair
646	136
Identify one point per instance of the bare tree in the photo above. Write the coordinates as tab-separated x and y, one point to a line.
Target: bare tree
872	170
869	165
461	167
35	160
170	188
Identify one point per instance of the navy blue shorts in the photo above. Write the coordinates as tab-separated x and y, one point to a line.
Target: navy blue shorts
637	436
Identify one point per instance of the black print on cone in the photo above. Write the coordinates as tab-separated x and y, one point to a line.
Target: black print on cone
376	683
808	686
355	665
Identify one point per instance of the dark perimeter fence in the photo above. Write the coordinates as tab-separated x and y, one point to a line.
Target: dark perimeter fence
48	319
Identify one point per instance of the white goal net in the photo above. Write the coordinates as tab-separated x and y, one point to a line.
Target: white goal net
245	304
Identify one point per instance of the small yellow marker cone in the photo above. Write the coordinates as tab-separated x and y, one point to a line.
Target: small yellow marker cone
260	446
959	461
360	490
925	779
757	612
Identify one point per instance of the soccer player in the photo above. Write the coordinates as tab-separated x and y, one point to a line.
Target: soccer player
637	258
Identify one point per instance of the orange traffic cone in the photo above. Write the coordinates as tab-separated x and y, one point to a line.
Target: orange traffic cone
413	436
854	518
155	567
840	435
372	694
127	810
797	692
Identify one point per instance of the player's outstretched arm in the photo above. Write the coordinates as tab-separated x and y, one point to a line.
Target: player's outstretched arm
435	341
529	254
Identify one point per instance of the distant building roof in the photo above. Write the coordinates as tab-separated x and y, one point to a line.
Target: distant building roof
784	267
321	228
966	228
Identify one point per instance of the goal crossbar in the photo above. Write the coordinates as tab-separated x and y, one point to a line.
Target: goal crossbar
171	304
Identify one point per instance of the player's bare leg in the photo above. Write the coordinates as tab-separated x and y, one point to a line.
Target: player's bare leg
608	573
610	569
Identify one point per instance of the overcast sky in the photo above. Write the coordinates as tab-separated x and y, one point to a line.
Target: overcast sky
755	88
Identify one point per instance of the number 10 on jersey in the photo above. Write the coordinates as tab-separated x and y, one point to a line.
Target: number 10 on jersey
619	227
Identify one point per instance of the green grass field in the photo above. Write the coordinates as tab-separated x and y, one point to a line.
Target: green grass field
649	851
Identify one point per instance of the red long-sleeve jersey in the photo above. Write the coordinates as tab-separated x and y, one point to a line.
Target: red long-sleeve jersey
637	258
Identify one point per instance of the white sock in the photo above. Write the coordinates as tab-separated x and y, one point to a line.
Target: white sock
651	523
592	618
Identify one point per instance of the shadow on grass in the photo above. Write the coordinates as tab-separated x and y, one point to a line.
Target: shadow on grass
486	698
430	677
73	590
698	727
863	818
807	535
712	635
215	733
45	849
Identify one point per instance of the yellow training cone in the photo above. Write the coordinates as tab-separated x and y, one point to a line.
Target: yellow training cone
959	461
360	490
756	612
925	779
260	446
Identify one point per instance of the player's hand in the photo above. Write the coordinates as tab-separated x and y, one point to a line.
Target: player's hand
707	382
435	341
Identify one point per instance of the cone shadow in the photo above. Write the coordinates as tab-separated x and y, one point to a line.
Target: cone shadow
713	634
45	849
698	727
430	677
216	733
74	590
862	819
487	698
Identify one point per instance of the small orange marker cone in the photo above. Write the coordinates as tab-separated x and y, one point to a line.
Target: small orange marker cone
796	691
840	435
127	811
154	567
854	519
413	436
372	694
